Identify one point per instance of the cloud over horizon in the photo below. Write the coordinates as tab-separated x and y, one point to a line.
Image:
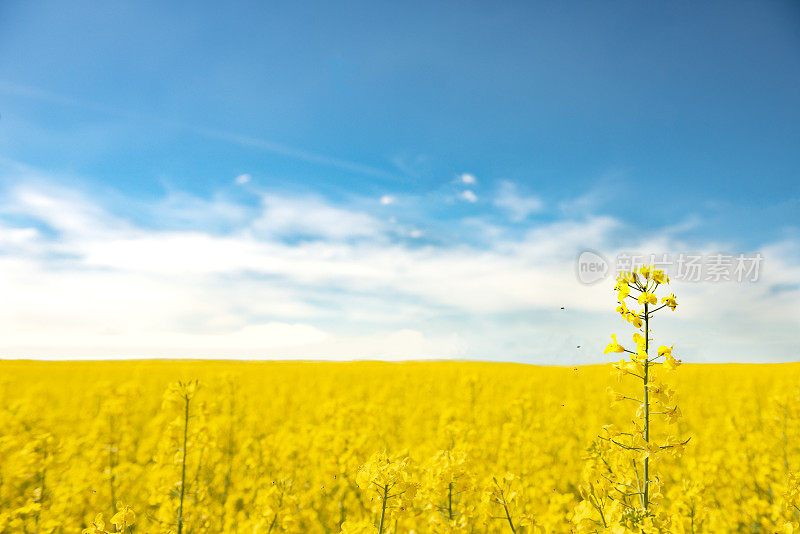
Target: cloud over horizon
305	276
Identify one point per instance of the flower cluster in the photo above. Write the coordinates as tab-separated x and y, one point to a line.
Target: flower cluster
622	489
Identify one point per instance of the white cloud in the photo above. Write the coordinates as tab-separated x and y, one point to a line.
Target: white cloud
312	217
518	206
181	210
468	195
63	210
17	237
243	179
105	286
387	199
468	179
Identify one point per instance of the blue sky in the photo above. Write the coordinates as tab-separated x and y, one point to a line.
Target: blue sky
376	180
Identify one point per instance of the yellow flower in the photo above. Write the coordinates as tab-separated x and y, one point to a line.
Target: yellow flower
624	291
670	301
358	527
614	346
646	271
660	392
671	414
671	363
640	355
625	277
98	526
614	396
526	520
792	494
180	392
124	517
650	449
659	277
625	367
674	446
647	298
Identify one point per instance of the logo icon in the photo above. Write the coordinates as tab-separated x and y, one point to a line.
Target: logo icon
591	267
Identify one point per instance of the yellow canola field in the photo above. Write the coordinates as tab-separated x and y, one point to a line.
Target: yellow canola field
309	447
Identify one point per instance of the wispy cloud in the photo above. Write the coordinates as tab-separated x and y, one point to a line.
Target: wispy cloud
468	179
287	151
468	195
311	217
258	143
518	205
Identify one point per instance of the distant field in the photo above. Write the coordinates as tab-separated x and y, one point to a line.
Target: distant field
291	447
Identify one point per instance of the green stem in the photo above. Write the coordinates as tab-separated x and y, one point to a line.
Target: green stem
111	464
508	516
646	475
111	479
785	440
602	516
272	524
275	519
450	501
183	463
383	508
42	486
230	447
